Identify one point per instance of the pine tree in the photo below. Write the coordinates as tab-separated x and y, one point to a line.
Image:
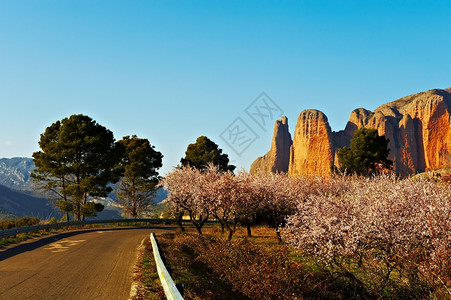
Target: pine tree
203	152
77	161
139	164
367	153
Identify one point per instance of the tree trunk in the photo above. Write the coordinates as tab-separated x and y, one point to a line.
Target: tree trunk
248	228
230	235
77	211
179	222
199	228
279	237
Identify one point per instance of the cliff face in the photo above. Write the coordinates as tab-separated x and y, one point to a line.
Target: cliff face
419	130
277	159
312	149
418	127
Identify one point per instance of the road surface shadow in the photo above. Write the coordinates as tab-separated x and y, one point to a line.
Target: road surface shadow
30	245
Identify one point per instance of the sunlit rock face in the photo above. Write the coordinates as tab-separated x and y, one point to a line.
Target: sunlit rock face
312	151
419	129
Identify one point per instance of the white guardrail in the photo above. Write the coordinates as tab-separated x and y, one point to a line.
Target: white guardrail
168	284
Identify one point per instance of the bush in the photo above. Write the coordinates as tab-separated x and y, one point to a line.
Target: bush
53	220
14	223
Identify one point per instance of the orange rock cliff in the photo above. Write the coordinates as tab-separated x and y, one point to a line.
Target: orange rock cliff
418	127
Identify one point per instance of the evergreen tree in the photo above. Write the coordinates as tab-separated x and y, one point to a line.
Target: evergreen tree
203	152
139	164
367	153
77	161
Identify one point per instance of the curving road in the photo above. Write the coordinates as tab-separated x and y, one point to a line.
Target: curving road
89	264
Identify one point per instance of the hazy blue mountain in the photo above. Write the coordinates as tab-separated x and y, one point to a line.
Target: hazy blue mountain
21	204
161	195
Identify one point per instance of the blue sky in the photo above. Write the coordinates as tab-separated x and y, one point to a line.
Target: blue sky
171	71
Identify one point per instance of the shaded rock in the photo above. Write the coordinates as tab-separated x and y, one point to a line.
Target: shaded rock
278	157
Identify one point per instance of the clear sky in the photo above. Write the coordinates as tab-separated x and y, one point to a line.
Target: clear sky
171	71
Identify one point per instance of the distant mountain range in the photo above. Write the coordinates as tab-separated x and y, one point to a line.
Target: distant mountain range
18	197
15	173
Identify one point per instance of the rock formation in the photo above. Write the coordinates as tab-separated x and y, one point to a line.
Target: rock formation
277	159
418	127
312	150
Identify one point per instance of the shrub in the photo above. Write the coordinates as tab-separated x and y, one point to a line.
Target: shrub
21	222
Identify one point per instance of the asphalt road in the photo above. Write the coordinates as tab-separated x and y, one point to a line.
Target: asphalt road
90	264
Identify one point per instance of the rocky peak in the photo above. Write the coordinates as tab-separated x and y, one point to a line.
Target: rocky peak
312	149
277	159
359	118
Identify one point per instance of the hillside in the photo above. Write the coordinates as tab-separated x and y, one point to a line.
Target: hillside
21	204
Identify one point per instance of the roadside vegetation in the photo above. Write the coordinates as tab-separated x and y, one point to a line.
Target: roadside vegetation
22	222
146	280
18	222
197	279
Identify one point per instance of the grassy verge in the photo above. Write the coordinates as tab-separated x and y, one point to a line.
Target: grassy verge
148	285
23	237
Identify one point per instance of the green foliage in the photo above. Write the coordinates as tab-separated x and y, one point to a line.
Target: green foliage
205	151
367	153
13	240
149	278
90	209
65	206
78	160
139	164
20	222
